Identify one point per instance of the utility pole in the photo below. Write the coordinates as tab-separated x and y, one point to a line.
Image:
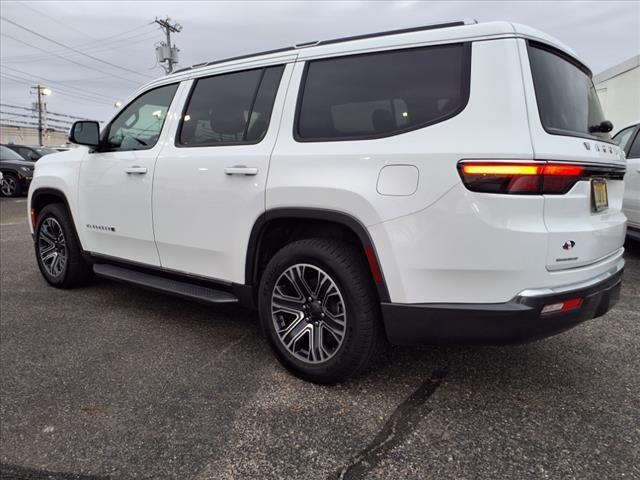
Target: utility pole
166	52
40	108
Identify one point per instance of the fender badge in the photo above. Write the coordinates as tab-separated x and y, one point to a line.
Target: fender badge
568	245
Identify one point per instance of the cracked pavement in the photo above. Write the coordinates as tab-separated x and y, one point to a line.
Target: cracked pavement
110	381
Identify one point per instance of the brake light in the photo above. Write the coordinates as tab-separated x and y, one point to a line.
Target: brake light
519	178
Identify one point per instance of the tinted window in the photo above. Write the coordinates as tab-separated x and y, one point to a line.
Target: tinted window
634	152
567	100
139	125
379	94
231	108
622	138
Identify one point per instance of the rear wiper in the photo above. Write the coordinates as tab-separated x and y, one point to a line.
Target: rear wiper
604	127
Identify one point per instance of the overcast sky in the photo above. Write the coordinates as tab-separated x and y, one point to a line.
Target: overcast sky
603	33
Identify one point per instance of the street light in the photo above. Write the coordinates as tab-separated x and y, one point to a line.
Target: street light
118	104
46	91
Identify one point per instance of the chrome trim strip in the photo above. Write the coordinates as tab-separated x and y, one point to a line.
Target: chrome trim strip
539	292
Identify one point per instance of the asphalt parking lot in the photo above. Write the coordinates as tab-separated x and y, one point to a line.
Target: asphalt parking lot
109	381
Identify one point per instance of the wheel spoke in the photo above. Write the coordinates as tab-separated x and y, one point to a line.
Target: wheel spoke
281	301
336	330
296	334
298	273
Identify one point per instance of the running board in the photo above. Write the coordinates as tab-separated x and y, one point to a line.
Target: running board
162	284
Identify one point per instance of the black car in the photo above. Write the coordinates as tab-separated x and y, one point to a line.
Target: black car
16	173
32	154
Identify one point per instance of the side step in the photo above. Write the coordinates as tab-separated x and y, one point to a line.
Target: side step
162	284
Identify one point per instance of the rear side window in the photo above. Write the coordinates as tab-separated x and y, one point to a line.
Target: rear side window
380	94
230	109
567	100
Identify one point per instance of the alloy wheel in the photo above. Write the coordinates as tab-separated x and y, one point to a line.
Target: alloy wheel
52	247
308	313
8	186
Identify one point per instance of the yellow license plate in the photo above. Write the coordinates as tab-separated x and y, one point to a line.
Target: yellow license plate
599	194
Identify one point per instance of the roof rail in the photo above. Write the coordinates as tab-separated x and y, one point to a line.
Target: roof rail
298	46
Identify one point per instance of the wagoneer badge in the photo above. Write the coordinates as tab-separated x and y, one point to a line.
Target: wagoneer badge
568	245
587	145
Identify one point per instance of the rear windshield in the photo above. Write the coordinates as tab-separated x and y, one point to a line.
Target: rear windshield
567	100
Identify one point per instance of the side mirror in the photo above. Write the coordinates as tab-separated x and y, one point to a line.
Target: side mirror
85	132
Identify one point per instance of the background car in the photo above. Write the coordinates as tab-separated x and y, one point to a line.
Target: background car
628	139
16	172
32	154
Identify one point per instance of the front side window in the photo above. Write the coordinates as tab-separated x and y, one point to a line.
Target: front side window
139	125
567	100
230	109
384	93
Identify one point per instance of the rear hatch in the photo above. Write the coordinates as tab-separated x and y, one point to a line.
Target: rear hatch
585	224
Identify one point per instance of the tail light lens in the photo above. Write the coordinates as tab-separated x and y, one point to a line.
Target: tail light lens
520	178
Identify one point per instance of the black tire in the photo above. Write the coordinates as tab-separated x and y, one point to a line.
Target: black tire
11	186
363	341
75	271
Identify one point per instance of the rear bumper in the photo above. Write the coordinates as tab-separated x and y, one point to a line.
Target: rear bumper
517	321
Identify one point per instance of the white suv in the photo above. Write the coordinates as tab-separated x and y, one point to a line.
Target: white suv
450	183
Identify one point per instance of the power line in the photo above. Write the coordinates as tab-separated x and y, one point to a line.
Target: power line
57	82
35	117
58	90
68	59
71	48
105	47
25	123
20	107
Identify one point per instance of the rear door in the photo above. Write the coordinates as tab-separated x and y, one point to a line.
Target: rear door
586	224
209	185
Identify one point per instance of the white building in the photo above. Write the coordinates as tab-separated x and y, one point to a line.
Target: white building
619	90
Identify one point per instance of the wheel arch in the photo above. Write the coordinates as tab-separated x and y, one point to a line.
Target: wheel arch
43	196
303	221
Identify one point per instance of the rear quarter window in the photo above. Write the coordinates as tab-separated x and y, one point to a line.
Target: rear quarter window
381	94
567	100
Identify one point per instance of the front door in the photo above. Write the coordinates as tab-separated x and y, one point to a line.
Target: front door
210	182
116	181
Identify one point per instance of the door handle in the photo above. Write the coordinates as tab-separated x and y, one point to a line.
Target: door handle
136	169
241	170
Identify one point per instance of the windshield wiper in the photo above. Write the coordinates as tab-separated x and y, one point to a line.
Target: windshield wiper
604	127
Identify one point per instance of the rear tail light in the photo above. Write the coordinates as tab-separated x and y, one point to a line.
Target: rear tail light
519	178
561	307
